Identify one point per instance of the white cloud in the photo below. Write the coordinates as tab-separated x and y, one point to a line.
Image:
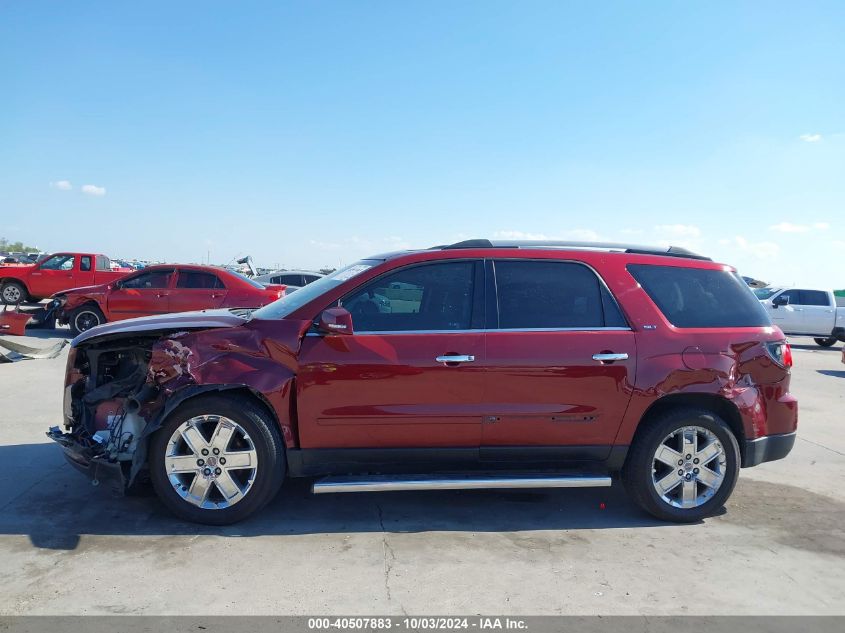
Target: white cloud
789	227
520	235
811	138
761	250
64	185
94	190
632	231
678	230
581	235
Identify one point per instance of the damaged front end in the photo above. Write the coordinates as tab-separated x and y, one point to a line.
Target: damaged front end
109	402
124	379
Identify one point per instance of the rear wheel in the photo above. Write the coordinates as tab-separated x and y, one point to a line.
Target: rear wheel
217	460
84	318
13	292
825	342
684	466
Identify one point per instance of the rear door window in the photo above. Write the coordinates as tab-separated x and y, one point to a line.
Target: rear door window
552	295
198	280
700	298
153	279
813	298
288	280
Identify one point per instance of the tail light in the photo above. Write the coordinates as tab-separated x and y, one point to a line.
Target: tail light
781	353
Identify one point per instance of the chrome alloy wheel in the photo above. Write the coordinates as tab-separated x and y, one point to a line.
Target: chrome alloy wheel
211	462
689	467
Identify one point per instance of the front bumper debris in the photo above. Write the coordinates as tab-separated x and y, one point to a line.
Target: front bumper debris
97	468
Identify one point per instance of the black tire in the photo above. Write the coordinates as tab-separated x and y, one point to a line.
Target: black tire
264	434
82	318
13	292
637	473
825	342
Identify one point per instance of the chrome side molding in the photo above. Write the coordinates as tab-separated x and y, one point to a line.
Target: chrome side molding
385	483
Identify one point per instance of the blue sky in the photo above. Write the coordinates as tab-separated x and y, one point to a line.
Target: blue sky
310	134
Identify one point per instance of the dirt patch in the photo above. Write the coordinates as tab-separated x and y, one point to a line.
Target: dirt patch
796	517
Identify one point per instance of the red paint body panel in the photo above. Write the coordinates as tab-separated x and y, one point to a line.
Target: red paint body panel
388	391
13	321
544	388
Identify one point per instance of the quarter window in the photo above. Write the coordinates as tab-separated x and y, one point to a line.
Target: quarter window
549	294
427	297
699	297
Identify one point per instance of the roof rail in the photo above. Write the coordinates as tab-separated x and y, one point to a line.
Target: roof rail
671	251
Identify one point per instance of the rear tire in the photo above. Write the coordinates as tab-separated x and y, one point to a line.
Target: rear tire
13	292
217	491
669	485
84	318
825	342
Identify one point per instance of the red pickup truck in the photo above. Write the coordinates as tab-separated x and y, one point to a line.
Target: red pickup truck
53	274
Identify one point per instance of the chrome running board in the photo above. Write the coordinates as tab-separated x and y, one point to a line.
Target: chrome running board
384	483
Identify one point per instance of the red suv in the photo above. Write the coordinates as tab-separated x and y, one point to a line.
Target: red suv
474	365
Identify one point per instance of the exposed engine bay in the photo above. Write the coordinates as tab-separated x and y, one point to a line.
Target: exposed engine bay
109	402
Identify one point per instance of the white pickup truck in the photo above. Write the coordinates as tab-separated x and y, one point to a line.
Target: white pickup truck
805	312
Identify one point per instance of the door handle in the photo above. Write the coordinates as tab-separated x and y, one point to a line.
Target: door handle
610	357
455	358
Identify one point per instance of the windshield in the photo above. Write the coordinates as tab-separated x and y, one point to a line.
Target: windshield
764	293
287	304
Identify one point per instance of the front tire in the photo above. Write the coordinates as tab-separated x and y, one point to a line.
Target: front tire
825	342
13	292
683	466
217	460
84	318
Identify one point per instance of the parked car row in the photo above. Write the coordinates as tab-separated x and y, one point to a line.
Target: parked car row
89	289
474	365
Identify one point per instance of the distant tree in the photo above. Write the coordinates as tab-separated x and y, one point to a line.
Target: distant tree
15	247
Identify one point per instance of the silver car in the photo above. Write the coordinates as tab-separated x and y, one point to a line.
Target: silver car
293	279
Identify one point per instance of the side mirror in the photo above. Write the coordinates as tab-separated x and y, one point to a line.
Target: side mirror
780	300
335	321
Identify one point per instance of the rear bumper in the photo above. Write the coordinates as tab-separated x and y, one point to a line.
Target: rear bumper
767	448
